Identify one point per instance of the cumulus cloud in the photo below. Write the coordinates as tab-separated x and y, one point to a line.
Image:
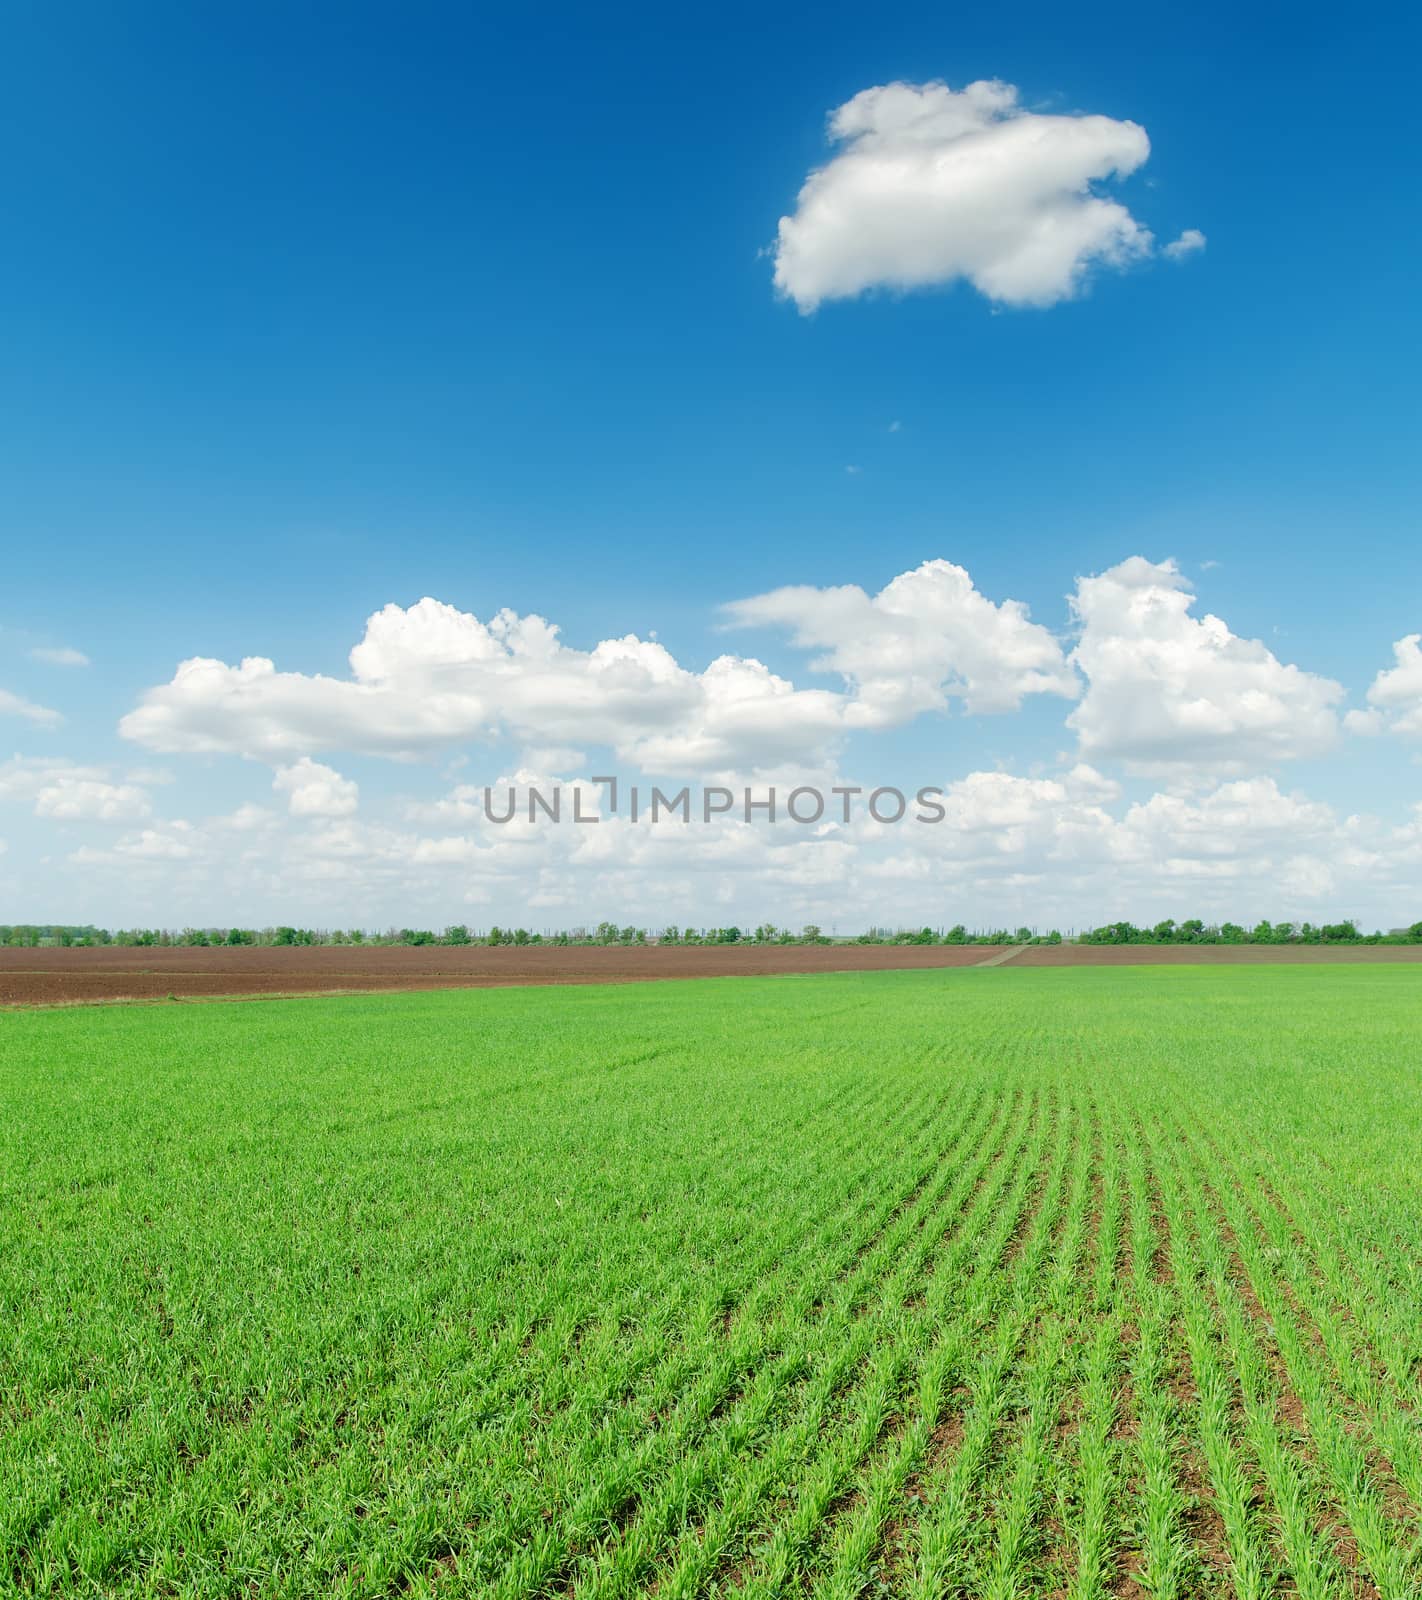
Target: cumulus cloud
1395	697
927	637
14	705
166	843
1165	688
1188	244
59	656
929	185
67	798
1230	823
1067	847
313	790
429	675
22	777
65	791
1064	849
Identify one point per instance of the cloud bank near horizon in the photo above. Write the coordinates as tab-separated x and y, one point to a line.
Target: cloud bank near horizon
1145	685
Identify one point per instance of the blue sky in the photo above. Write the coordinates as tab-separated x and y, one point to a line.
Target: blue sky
309	315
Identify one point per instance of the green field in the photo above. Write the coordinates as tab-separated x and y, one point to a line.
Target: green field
978	1283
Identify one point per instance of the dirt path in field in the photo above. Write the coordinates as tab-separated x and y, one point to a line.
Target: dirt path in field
1004	956
64	977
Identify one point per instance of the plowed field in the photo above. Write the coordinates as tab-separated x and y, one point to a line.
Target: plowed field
58	977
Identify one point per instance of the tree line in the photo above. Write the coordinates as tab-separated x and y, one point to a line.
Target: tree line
1191	931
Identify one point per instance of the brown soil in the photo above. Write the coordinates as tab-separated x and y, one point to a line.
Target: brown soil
59	977
63	977
1207	955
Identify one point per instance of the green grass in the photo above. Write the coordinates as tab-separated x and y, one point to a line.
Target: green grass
968	1283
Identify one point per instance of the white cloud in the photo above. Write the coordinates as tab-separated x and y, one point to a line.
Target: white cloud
1395	697
13	705
164	843
553	758
313	790
929	185
247	818
926	638
432	675
1232	822
22	777
63	791
1060	850
1165	688
1065	848
60	656
81	799
1188	244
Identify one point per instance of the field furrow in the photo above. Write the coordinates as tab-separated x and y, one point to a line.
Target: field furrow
1021	1284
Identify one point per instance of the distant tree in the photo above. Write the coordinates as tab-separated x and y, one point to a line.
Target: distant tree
456	933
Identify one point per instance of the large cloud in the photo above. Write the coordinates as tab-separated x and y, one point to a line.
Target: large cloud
927	636
431	675
931	184
1166	688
